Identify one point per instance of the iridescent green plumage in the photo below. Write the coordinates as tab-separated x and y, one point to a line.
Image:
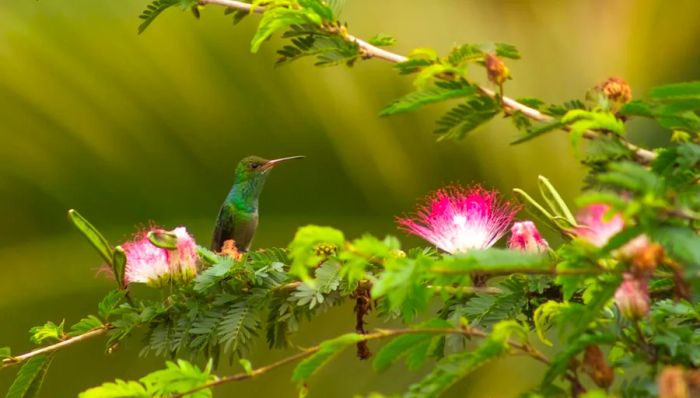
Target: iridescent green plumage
238	216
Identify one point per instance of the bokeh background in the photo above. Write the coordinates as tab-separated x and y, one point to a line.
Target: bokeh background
133	129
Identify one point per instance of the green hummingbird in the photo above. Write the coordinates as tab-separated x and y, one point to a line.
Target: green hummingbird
238	216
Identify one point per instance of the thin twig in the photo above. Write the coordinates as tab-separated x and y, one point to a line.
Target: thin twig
529	271
16	360
449	289
370	51
378	334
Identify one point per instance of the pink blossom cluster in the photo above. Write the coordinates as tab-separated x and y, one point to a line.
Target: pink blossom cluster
157	266
457	219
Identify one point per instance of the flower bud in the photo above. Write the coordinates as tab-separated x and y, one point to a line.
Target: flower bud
643	254
325	249
524	236
496	69
615	89
595	366
672	383
632	297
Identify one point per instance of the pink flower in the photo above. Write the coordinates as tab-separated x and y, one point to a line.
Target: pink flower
524	236
457	219
595	227
156	266
632	297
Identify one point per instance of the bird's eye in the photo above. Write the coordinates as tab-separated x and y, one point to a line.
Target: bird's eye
254	165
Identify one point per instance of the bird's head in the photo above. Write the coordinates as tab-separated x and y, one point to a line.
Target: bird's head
254	169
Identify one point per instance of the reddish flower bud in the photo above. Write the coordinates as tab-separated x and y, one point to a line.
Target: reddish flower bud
632	297
672	383
615	89
496	69
595	366
643	254
595	227
524	236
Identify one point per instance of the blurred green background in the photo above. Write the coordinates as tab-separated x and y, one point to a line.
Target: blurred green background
135	129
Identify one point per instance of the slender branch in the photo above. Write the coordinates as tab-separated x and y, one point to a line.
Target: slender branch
370	51
449	289
530	271
16	360
378	334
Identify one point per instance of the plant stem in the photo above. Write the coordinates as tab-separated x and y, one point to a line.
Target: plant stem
378	334
449	289
16	360
370	51
529	271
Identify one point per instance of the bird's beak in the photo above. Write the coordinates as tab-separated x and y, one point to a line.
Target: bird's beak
274	162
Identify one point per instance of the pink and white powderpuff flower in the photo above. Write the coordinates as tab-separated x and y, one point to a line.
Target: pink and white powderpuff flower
595	227
524	236
457	219
156	266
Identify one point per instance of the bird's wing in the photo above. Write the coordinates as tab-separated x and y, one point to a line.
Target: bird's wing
243	231
223	230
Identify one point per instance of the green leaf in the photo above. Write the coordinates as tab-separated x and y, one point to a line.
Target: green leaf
506	50
580	121
117	389
119	265
554	200
407	344
403	284
336	6
358	255
488	309
456	366
561	362
636	108
465	53
302	248
490	260
92	234
212	275
440	92
279	18
246	365
5	352
47	331
630	176
326	352
238	327
85	325
596	297
109	303
683	244
464	118
30	377
539	130
382	40
319	8
179	377
154	9
163	239
676	91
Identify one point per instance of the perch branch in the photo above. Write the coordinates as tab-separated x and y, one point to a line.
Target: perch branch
18	359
